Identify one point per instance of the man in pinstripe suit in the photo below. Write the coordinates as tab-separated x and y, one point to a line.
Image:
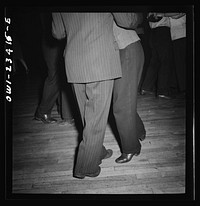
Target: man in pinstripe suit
92	63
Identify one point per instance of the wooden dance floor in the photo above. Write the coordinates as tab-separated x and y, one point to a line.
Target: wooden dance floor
43	155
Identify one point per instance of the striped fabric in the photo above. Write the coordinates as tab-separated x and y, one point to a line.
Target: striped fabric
94	103
90	54
92	63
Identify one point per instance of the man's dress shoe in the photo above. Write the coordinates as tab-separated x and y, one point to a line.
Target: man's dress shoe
141	138
109	154
82	176
47	119
164	96
143	92
127	157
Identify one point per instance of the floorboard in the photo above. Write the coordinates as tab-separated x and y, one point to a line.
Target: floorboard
43	155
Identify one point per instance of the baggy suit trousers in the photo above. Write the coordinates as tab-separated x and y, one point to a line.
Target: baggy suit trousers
129	124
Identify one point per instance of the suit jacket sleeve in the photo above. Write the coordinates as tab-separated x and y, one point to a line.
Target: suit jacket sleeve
127	20
58	27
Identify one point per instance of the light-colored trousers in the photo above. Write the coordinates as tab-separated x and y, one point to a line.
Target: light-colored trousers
94	101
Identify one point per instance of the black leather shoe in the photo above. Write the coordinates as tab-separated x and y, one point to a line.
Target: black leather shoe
81	176
109	154
164	96
141	138
45	118
143	92
127	157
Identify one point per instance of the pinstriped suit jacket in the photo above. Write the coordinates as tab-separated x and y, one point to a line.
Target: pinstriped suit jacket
91	53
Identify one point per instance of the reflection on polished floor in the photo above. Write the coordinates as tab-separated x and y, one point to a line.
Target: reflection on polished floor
43	154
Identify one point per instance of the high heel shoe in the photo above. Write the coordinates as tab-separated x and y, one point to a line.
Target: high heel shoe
127	157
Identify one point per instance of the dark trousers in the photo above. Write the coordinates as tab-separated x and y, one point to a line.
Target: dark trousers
55	85
67	98
160	68
179	46
144	38
129	124
94	103
51	89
